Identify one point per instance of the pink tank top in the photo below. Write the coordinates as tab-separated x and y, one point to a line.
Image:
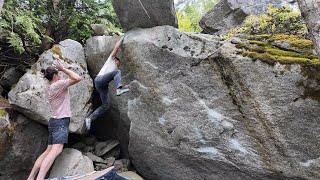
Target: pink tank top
59	99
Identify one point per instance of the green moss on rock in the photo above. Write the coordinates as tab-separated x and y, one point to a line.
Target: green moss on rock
260	48
3	112
294	41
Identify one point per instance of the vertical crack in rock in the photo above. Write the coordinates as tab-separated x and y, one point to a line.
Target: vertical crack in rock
270	148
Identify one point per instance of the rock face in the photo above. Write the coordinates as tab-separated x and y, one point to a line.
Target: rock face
98	29
11	77
71	162
189	45
145	13
228	14
220	116
310	12
21	142
29	95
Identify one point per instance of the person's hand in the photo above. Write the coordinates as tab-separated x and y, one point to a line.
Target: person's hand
57	64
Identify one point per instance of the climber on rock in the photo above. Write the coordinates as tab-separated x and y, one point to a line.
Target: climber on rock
108	72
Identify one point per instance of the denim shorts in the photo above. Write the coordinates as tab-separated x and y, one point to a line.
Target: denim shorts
58	130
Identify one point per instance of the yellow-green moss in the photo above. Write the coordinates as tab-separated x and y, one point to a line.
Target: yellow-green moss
260	56
3	112
57	50
258	49
271	59
260	43
294	41
266	52
279	52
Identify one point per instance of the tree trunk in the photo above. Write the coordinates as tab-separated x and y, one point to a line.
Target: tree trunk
46	44
1	4
310	10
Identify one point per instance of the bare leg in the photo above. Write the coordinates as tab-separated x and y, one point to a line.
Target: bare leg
48	160
38	162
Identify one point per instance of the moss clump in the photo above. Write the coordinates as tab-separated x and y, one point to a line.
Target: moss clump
271	59
292	60
279	52
258	49
3	112
265	57
57	50
294	41
261	47
260	43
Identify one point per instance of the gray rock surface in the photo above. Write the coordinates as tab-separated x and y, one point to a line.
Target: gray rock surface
310	13
98	29
168	40
228	14
71	162
11	77
145	13
220	116
21	142
29	95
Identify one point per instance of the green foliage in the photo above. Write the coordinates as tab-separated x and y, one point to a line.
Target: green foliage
27	28
19	27
186	24
189	13
275	21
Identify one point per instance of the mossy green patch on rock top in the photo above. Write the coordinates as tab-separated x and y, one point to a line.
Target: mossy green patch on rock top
294	41
261	47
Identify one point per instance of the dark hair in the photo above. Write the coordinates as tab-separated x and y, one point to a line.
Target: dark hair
49	72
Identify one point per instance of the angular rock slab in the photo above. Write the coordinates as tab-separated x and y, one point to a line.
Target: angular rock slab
71	162
21	142
145	13
196	114
29	95
230	13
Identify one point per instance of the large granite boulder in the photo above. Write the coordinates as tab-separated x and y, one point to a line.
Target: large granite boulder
29	95
71	162
310	12
228	14
11	76
187	45
21	142
145	14
214	115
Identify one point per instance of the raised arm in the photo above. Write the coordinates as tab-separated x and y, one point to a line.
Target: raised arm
73	77
116	47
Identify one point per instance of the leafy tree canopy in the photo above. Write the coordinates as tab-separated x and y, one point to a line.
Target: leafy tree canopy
27	28
189	13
